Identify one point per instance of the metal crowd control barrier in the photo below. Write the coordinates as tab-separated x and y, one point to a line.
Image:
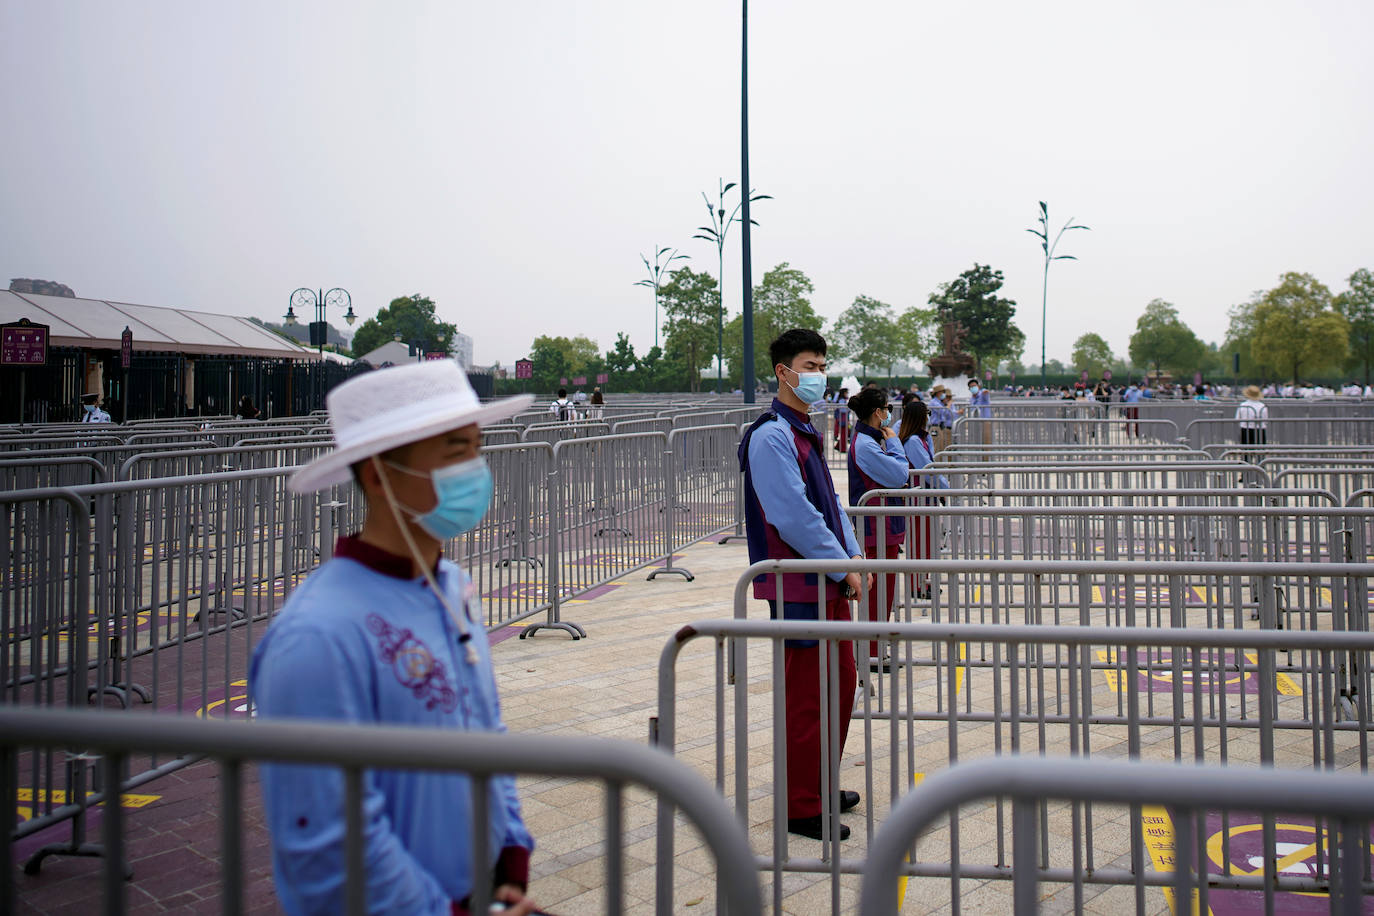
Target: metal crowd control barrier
183	462
702	480
1059	454
1290	452
509	554
563	430
616	765
1215	871
608	495
1293	699
1001	430
38	473
642	425
1340	476
1324	431
1090	475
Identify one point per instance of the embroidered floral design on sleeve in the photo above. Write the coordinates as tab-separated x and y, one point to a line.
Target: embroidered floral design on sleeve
414	665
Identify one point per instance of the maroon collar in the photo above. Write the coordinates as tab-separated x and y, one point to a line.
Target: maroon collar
375	558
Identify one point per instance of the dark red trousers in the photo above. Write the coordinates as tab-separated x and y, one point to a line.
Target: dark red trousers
878	603
804	724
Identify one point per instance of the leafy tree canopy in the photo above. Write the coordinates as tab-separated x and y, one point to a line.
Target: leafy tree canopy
622	358
691	304
1162	341
782	301
1296	326
563	357
1092	353
411	317
866	334
1356	305
971	299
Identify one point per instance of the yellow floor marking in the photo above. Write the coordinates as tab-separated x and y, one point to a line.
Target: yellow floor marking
1285	685
916	779
59	797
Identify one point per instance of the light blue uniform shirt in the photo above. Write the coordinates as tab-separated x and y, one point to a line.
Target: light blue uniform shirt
885	463
355	645
778	485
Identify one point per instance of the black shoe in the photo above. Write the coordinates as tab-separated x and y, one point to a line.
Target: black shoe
848	800
883	664
811	827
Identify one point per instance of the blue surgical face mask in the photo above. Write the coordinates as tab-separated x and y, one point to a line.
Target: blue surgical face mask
810	386
464	492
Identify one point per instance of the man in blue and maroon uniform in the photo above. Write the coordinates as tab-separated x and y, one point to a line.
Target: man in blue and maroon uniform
791	511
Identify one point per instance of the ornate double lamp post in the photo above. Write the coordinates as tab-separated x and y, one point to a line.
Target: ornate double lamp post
304	297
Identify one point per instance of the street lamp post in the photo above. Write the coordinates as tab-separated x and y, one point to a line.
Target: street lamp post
1043	234
748	378
715	233
319	328
656	272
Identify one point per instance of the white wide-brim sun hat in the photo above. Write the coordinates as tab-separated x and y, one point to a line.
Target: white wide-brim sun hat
386	408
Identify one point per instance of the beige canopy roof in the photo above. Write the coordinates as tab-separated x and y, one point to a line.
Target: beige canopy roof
98	324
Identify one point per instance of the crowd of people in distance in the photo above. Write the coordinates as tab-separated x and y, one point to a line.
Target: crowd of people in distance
1104	390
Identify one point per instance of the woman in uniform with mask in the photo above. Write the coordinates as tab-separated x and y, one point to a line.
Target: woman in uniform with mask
877	462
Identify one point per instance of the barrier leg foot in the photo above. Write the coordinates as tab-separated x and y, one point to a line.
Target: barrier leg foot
572	629
528	561
731	537
684	573
34	864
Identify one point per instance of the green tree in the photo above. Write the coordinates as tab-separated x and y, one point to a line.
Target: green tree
1091	352
866	334
781	302
1356	305
1296	326
555	358
622	358
1163	341
918	334
972	300
691	304
411	317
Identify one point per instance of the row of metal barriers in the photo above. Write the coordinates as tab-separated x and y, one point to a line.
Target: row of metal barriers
1057	819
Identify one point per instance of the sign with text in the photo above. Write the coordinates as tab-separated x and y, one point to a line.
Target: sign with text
436	354
563	380
23	343
126	348
524	368
580	380
602	378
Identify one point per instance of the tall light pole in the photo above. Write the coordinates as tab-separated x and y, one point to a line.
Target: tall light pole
715	233
1043	234
656	272
319	328
748	377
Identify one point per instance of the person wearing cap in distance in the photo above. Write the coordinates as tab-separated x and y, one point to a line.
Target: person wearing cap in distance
1253	416
90	409
387	632
791	511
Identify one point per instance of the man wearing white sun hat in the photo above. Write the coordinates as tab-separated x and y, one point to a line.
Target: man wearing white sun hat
387	632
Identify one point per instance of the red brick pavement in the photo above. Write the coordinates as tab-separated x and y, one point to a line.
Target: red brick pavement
173	846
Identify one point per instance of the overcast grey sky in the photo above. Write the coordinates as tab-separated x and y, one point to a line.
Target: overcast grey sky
512	159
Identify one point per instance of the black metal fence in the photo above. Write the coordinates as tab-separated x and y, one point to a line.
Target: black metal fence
158	385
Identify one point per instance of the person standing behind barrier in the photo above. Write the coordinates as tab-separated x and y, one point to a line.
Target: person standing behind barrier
920	452
841	421
1131	398
597	410
246	410
877	462
388	632
90	409
1253	416
562	408
791	511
